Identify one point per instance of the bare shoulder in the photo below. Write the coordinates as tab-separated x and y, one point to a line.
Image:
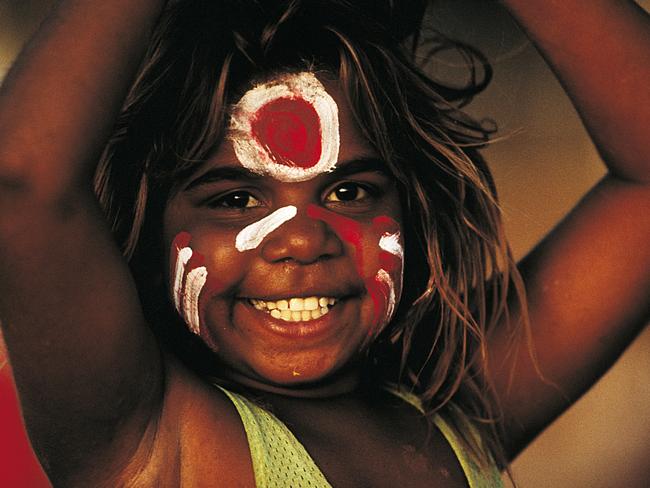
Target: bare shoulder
195	439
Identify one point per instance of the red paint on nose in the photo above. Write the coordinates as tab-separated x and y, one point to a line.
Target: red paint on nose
289	129
347	229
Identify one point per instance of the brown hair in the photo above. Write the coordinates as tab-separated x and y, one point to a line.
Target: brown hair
459	271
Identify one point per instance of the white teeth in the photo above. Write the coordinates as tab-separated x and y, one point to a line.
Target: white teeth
311	303
295	309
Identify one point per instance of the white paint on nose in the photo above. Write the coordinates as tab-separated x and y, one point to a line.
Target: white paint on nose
252	236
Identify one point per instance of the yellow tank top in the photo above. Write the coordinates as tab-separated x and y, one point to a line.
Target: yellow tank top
281	461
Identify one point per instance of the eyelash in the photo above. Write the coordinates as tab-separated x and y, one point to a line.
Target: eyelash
220	201
367	192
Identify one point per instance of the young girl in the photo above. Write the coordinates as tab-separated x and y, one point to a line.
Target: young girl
312	237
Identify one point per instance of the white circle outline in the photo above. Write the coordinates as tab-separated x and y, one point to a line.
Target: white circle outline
252	155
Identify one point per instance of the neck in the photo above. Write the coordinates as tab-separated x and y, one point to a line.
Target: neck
340	384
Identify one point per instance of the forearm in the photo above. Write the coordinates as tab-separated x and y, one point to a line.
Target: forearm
59	101
600	51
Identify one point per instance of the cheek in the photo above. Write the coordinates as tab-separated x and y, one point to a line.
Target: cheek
384	271
378	255
195	280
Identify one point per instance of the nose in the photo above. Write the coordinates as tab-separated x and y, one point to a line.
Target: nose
303	240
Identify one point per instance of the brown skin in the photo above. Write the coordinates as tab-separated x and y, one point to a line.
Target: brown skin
96	408
303	257
588	280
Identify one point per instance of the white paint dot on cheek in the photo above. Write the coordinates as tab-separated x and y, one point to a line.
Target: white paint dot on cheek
392	243
194	283
252	236
182	259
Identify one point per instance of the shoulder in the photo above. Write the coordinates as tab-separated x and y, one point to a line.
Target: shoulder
197	435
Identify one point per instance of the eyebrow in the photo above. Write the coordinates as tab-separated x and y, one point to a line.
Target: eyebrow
227	173
361	165
238	173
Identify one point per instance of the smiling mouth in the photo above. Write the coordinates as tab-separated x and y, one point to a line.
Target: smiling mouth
295	309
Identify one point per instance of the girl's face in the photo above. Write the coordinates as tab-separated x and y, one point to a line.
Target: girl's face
285	248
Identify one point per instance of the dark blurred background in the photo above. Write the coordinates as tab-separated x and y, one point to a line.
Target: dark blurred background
543	165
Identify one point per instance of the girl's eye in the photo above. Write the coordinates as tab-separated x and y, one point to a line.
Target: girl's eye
236	199
348	192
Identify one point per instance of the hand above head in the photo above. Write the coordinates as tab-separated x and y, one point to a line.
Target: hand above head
587	281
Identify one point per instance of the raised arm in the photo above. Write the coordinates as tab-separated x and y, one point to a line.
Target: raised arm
86	367
588	282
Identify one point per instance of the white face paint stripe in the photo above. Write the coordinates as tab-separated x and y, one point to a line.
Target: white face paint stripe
193	285
255	157
182	259
392	243
252	236
383	276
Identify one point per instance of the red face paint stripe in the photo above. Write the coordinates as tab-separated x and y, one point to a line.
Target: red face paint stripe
351	231
181	240
348	229
379	293
289	128
389	261
197	260
385	224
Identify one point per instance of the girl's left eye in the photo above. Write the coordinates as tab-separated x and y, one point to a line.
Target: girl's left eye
237	200
348	192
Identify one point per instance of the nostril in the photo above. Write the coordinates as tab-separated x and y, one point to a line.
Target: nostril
302	240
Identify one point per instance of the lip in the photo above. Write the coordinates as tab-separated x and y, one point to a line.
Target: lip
315	329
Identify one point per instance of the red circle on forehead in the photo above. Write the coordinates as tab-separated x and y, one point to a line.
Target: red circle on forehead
289	129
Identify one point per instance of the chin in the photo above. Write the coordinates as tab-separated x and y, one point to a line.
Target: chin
317	376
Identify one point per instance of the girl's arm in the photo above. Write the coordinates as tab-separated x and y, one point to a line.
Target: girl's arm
588	282
86	367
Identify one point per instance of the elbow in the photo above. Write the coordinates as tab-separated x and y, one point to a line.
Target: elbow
33	182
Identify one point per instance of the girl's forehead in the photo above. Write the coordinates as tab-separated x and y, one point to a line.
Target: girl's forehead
293	127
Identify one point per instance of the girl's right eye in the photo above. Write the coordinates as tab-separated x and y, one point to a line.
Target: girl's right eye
237	200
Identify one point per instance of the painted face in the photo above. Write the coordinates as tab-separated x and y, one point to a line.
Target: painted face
285	248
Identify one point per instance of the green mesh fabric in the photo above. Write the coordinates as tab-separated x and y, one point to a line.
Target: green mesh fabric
476	477
281	461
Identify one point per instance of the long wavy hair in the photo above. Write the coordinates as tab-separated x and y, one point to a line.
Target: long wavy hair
459	272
